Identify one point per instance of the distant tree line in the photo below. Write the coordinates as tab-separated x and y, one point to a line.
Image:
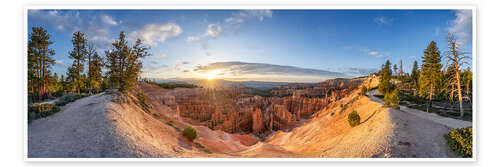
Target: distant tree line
432	80
89	72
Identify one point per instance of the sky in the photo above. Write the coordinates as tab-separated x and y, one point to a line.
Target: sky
260	45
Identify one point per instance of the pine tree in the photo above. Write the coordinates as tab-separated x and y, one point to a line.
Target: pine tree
95	64
385	85
124	63
95	71
78	55
431	72
415	72
39	61
401	72
71	79
466	77
396	74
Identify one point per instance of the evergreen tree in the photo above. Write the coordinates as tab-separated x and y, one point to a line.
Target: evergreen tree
62	83
385	85
415	72
39	61
95	71
396	74
71	84
78	55
401	72
450	86
431	72
95	64
466	77
124	63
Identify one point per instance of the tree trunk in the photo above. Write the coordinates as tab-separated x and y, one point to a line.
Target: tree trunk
430	98
90	76
459	92
78	78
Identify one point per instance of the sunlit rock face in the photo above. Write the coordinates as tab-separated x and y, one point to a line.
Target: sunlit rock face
257	121
236	110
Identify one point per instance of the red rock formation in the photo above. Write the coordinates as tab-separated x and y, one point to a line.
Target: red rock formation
231	110
257	121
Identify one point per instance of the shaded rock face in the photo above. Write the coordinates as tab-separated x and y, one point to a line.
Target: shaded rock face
232	110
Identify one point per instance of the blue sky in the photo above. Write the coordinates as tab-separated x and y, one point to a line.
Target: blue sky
265	45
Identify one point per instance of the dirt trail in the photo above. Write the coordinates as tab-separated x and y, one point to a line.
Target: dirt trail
79	130
448	122
418	134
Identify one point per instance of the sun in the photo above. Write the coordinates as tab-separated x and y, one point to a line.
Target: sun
211	74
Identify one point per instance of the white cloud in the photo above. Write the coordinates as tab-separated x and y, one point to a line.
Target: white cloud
59	61
264	71
241	16
179	64
108	20
193	38
372	53
54	12
377	54
234	20
161	55
93	26
213	30
382	20
462	26
152	34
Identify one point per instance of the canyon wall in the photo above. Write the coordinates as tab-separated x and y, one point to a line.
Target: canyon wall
232	110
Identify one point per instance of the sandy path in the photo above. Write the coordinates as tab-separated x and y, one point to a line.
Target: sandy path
448	122
418	134
85	128
78	130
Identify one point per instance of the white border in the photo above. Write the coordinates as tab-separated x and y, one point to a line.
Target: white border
272	7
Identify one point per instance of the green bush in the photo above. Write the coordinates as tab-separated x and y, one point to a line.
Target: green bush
364	90
190	133
69	98
460	141
170	122
41	110
142	97
353	118
392	98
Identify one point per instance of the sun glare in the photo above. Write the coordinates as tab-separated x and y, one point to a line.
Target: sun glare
211	74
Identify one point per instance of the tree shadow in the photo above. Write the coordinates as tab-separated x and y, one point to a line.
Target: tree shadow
369	117
183	142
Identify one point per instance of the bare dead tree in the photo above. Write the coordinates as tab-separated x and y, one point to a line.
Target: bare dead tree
457	58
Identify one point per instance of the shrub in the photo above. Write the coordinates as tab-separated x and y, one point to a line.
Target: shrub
170	122
142	97
41	110
69	98
353	118
460	141
364	90
190	133
392	98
